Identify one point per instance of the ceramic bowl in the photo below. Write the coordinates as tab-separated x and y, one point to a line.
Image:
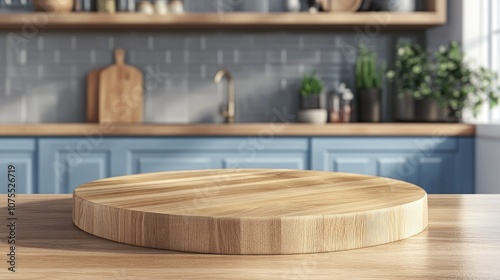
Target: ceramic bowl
317	116
56	6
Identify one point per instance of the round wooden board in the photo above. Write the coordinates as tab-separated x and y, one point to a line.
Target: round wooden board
250	211
338	6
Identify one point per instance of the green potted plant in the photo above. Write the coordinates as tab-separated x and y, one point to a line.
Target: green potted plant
368	85
311	89
461	85
311	100
412	74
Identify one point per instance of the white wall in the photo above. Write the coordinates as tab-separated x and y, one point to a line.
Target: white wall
468	24
488	159
476	36
475	40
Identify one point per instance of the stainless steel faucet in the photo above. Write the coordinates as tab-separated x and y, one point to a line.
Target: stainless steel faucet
227	114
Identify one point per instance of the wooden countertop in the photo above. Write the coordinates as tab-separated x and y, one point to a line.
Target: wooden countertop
462	241
255	129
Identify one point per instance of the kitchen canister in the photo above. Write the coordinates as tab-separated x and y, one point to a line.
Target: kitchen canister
403	6
85	5
145	7
125	5
366	5
292	5
161	7
176	6
106	6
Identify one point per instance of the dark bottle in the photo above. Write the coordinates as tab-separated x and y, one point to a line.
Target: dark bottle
125	5
85	5
315	5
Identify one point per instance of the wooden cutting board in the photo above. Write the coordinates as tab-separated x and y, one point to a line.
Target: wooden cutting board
120	92
250	211
93	96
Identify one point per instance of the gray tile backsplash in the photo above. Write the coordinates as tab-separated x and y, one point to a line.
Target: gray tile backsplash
43	78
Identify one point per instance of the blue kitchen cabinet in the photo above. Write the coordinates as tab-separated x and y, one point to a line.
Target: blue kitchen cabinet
21	153
171	154
437	164
66	163
277	153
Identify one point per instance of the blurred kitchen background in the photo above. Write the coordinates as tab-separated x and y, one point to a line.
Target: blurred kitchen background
405	89
47	69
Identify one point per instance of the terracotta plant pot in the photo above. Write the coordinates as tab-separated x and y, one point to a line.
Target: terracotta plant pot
57	6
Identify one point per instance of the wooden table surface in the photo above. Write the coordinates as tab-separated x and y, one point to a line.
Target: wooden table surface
462	241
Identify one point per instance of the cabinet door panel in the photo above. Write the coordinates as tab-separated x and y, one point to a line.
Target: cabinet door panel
164	161
395	167
69	174
63	166
435	165
431	172
352	165
156	155
21	154
281	161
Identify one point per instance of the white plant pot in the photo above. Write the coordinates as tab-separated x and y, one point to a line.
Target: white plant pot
316	116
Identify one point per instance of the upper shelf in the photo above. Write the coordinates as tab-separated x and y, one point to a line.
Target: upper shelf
230	20
435	14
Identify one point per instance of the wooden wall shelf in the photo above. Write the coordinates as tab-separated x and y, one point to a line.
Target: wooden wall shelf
435	15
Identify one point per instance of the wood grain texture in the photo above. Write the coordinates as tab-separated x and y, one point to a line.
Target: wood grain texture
246	129
93	96
120	92
462	241
439	7
199	21
251	211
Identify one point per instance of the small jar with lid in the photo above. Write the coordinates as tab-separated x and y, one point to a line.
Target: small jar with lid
176	6
161	7
106	6
334	108
145	7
